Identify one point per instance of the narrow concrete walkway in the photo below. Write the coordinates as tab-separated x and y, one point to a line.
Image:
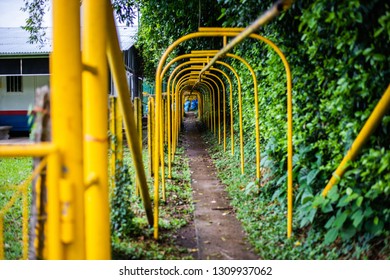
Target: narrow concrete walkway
219	234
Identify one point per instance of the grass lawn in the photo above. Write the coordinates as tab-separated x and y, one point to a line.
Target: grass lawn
13	171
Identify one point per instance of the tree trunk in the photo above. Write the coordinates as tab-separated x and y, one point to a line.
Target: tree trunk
41	132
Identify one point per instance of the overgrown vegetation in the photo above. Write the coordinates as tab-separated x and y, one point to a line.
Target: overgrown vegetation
13	171
132	238
339	56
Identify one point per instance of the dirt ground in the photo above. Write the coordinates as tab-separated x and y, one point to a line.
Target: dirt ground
215	233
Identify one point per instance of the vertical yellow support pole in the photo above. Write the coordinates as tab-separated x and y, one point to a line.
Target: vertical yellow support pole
219	114
169	133
241	132
212	128
53	243
25	222
66	128
162	158
138	106
95	95
119	133
214	115
113	140
289	147
150	133
224	117
138	121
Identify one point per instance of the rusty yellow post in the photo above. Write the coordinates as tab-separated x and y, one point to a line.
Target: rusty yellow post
95	95
370	125
66	114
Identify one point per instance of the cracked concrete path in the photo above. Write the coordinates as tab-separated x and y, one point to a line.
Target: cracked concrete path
219	234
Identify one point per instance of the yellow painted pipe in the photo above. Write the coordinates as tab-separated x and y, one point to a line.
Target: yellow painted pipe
95	85
115	61
119	133
53	241
138	122
150	133
373	121
27	150
256	101
112	160
66	113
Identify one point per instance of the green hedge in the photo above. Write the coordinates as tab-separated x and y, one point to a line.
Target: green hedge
339	56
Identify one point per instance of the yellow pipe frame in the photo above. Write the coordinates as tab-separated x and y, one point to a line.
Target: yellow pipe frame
150	133
95	84
368	128
28	150
232	32
66	113
138	123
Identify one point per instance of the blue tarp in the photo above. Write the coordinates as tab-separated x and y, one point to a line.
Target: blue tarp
194	105
187	106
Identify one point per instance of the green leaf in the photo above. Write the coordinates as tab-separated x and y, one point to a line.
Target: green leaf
333	194
306	197
319	200
357	218
311	176
340	219
359	201
379	57
331	235
343	201
326	208
330	222
348	233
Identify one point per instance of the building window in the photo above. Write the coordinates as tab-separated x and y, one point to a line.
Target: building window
14	84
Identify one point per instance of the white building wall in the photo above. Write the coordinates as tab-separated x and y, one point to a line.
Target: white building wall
20	100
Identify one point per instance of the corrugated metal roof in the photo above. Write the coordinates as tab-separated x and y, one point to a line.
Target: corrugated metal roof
14	41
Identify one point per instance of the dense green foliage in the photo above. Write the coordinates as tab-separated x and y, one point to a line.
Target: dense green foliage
132	238
339	56
163	22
